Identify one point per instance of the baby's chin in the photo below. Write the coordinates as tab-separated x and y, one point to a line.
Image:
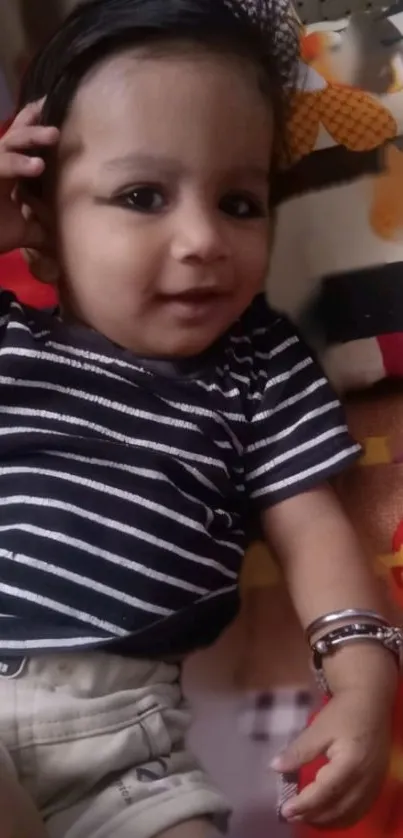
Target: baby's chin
159	339
175	342
174	349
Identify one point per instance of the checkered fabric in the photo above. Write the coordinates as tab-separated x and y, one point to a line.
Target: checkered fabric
313	11
277	717
279	714
277	22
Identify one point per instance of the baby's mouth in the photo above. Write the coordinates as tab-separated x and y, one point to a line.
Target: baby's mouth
194	303
194	295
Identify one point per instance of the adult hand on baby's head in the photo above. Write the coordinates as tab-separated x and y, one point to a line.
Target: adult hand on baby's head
19	228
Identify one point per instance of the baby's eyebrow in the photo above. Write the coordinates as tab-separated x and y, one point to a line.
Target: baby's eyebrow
171	167
259	174
144	160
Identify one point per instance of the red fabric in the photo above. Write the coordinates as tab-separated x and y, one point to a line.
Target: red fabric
15	276
391	347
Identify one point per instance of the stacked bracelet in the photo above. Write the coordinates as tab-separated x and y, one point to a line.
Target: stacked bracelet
336	617
365	626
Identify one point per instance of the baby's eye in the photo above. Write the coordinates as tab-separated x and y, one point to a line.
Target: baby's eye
242	206
147	199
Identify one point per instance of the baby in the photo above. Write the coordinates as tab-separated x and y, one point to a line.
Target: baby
145	422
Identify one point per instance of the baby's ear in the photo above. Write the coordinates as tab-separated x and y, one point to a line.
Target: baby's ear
42	266
42	261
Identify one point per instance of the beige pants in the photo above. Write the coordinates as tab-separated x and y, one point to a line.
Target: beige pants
97	741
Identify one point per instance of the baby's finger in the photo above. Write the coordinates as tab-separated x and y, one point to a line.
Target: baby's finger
19	139
344	813
310	744
332	782
14	165
29	115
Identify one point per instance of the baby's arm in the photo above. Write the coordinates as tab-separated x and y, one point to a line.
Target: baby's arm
296	441
326	571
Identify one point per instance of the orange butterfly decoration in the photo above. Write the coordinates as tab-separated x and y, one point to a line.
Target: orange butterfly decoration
352	116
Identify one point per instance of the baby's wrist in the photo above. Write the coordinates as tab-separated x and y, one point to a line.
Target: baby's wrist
365	667
355	648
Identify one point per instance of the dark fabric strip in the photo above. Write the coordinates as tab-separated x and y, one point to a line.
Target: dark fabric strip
326	168
357	304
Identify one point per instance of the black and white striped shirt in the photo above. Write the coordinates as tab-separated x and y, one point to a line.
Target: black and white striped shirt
126	487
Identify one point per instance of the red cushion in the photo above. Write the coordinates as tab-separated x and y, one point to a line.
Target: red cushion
15	276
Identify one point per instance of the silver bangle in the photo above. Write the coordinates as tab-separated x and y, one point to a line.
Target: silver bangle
390	637
334	617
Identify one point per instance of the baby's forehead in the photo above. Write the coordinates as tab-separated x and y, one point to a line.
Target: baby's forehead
175	105
111	72
101	97
133	71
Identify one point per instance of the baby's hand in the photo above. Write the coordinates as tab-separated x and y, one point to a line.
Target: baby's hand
354	735
18	228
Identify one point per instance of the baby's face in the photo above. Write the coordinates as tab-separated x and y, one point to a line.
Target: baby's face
162	198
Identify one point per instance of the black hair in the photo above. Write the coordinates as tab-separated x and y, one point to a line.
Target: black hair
261	30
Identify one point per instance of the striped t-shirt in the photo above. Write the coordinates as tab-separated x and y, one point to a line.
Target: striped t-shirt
127	487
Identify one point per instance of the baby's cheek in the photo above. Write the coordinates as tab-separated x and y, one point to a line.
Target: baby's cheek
253	260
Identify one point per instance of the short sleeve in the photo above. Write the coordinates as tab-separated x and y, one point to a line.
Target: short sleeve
297	435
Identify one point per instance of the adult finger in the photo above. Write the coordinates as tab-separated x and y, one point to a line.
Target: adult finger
14	165
27	137
30	114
